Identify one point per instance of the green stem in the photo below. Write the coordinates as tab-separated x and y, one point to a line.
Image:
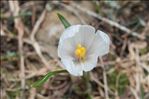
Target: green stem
86	78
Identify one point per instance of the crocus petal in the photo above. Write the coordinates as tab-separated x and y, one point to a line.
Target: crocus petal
85	35
66	49
72	68
69	32
100	45
90	63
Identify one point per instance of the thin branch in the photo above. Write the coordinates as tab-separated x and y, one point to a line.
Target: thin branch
32	93
146	29
112	23
34	42
134	93
37	25
14	7
105	80
99	83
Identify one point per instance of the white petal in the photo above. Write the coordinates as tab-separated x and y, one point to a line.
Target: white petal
72	68
104	36
90	63
69	32
100	45
85	35
66	49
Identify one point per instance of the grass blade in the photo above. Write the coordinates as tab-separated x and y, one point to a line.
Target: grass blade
46	77
64	21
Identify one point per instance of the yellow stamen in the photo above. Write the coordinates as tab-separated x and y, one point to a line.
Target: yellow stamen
80	52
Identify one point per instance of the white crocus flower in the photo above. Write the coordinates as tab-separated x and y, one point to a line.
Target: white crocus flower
79	48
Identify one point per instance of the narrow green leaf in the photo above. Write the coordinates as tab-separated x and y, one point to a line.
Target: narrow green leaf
46	77
142	92
64	21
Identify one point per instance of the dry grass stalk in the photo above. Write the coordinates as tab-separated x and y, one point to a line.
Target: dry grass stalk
14	7
112	23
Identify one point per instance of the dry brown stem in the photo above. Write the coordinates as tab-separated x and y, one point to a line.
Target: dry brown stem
106	20
14	7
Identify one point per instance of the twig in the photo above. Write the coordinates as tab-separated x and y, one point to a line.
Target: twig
34	42
32	74
99	83
37	25
105	80
134	93
112	23
32	93
2	33
123	47
40	96
14	7
146	29
138	63
144	66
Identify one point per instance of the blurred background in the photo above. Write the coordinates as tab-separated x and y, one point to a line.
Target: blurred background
29	35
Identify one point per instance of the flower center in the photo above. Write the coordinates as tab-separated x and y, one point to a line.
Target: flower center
80	52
